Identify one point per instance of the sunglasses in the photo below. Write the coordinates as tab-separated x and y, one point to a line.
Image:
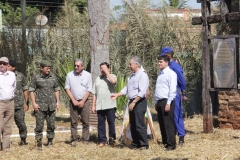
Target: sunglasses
3	63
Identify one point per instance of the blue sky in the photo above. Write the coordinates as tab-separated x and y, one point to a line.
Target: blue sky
191	3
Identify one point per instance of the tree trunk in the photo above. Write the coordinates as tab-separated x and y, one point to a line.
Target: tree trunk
98	11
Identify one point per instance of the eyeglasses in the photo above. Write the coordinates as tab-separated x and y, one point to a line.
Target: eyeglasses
3	63
76	65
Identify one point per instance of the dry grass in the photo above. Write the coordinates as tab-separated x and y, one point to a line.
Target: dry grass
221	144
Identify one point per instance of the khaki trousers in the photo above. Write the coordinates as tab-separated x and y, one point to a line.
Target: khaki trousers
6	122
81	114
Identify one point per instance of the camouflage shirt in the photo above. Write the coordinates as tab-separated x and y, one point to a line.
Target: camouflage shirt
20	87
44	88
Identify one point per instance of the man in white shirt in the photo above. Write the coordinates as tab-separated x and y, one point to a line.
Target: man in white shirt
7	88
166	87
78	86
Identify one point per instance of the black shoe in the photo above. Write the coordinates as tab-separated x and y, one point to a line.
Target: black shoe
111	142
170	148
144	147
150	136
132	147
39	145
181	141
22	142
50	144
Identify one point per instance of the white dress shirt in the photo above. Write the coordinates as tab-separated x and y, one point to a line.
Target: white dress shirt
7	85
166	85
137	85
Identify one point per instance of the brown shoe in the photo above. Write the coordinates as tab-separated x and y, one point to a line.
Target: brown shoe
101	145
74	144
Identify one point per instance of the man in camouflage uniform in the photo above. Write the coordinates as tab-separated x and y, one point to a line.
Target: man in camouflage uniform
20	102
44	93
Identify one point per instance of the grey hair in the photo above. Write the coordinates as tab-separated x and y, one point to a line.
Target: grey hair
79	60
137	60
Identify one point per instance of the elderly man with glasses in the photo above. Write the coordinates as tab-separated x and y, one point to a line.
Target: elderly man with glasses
7	89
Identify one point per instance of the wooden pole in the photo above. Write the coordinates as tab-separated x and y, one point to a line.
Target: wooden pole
206	100
24	48
152	130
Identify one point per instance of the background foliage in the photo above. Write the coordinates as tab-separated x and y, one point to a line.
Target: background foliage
139	33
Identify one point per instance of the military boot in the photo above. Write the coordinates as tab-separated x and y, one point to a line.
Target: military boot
50	144
39	144
22	142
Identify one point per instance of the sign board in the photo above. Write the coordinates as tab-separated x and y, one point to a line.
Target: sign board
41	20
224	67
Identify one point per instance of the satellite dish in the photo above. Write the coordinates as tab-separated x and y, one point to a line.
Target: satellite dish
41	20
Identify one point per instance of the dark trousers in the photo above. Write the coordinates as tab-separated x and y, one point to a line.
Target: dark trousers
108	114
137	126
50	118
166	122
75	112
19	117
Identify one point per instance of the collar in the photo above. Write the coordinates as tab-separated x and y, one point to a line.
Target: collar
75	73
134	73
45	76
164	70
6	73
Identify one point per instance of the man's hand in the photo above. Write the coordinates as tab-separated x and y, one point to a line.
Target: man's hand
26	107
114	96
105	69
93	109
156	106
36	107
75	103
167	108
131	106
81	104
57	105
185	98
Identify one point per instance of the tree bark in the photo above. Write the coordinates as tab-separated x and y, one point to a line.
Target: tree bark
98	11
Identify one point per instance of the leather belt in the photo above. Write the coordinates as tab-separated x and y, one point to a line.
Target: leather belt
6	101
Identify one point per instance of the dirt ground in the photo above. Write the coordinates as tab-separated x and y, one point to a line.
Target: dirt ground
221	144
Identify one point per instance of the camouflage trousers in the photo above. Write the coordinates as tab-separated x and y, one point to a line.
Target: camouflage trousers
50	118
19	117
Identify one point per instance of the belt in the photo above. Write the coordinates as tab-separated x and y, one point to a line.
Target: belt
6	101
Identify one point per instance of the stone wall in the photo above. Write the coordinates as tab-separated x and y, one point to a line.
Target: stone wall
229	110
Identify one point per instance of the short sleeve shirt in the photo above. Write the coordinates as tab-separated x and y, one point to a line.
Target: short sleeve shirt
44	88
79	84
103	89
20	87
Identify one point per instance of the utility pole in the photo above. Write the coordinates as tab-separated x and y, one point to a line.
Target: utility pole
24	49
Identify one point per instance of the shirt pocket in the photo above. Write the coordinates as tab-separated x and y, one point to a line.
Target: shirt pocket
133	85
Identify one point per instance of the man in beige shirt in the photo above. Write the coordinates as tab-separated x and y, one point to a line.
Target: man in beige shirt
103	88
7	89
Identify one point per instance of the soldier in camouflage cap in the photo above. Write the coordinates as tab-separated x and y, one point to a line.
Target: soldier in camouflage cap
20	102
44	93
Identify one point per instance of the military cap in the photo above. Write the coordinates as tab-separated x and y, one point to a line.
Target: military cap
45	63
4	59
165	50
12	63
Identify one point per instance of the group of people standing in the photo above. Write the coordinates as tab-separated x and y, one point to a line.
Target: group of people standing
44	93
